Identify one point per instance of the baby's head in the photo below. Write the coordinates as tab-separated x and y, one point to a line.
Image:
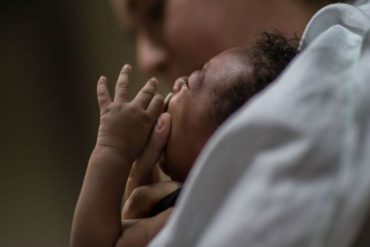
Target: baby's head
202	101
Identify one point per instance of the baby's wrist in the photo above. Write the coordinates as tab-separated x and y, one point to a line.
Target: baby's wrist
113	151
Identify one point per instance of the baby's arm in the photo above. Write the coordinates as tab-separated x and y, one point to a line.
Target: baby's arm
123	132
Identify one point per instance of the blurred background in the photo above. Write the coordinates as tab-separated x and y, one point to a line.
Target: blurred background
51	55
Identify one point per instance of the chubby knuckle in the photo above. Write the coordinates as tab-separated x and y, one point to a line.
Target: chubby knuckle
158	101
112	108
115	106
102	94
104	112
122	85
148	92
130	108
139	194
124	81
133	110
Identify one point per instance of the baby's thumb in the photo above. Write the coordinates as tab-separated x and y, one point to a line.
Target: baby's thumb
161	132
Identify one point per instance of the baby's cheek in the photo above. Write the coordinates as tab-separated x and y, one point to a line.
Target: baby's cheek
170	154
175	159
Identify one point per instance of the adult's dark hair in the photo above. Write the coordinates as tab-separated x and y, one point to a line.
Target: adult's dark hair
267	59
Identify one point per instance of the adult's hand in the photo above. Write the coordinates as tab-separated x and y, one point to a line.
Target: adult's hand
140	232
143	199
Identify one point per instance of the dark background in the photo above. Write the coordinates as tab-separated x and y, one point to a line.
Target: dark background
51	55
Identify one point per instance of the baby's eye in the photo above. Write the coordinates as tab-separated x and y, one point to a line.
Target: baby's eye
195	79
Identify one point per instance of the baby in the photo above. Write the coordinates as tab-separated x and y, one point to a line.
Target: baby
204	100
199	104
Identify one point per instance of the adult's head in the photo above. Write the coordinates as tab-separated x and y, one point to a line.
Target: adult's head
175	37
202	101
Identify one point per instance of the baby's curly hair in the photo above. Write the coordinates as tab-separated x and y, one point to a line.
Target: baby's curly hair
267	59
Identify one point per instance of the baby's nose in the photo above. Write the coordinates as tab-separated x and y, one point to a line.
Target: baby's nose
179	83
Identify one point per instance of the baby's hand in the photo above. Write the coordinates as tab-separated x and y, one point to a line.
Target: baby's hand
125	125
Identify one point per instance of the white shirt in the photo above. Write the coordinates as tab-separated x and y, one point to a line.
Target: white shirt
292	167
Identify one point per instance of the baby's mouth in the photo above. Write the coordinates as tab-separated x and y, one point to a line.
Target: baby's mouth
167	101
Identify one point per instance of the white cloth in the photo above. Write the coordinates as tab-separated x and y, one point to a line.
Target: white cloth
292	167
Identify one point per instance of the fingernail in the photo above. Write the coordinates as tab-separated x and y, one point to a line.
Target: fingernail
155	81
178	84
160	123
175	87
127	67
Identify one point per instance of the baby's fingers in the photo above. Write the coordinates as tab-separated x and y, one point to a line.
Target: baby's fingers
122	85
103	95
146	94
155	107
142	171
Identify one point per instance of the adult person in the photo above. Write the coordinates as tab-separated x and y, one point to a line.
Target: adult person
176	37
276	133
305	182
224	84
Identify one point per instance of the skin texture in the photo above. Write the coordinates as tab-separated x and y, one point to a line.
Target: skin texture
123	134
183	34
137	132
191	105
174	37
199	104
187	126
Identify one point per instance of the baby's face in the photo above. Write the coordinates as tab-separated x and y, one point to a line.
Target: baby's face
190	108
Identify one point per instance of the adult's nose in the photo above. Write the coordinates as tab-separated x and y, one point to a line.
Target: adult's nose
152	57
